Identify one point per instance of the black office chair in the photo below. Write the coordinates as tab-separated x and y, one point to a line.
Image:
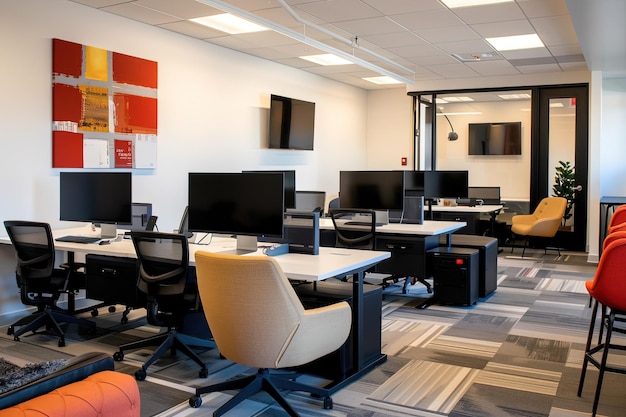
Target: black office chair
354	228
171	291
40	283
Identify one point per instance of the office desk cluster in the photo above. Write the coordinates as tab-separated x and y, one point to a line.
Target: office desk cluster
400	248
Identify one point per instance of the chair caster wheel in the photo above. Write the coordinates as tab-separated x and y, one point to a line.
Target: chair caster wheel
16	338
141	374
124	320
195	401
328	403
111	309
94	313
10	330
61	342
118	356
204	373
429	290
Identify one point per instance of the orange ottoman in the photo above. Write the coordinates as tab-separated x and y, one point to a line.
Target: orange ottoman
103	394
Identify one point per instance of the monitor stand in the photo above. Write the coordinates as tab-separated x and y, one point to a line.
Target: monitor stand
246	244
108	231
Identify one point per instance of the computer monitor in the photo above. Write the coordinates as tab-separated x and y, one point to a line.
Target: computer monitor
310	201
247	205
290	187
488	195
97	197
445	184
374	190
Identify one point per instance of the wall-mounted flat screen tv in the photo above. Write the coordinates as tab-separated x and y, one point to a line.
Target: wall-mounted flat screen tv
495	138
291	124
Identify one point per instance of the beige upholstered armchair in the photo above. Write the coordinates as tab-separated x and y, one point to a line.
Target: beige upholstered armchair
257	320
544	222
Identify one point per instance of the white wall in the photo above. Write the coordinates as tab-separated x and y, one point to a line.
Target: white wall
389	129
509	172
213	109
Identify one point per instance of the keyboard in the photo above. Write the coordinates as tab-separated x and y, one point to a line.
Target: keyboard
78	239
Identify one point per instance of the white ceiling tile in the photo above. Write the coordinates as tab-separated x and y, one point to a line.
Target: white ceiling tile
542	8
493	68
492	13
447	34
185	9
142	14
454	71
339	10
391	7
508	28
556	30
466	47
369	26
427	20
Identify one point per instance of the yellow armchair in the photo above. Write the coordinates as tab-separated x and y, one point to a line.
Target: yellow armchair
544	222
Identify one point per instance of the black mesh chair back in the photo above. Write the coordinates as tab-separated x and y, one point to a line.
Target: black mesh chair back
34	248
172	293
164	275
40	283
354	228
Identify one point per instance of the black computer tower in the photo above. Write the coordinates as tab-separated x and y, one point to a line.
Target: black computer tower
339	364
455	275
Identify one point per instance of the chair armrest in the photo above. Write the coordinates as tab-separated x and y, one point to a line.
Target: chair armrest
76	369
545	227
322	331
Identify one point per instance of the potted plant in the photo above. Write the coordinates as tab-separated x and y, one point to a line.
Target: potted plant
564	187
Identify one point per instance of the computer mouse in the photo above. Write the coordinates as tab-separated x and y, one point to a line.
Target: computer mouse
104	242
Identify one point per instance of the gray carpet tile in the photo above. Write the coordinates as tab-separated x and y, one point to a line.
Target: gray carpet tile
517	352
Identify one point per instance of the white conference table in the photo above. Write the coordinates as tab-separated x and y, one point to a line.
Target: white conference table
329	263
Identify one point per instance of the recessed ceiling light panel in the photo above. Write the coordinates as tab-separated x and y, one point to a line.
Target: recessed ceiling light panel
382	80
512	43
326	59
229	23
469	3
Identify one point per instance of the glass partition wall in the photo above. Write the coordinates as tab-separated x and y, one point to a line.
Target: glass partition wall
513	139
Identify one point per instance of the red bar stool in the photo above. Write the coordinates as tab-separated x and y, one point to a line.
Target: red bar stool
607	288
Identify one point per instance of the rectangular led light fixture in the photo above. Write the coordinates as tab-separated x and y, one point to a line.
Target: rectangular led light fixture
458	99
229	23
382	80
520	96
512	43
469	3
326	59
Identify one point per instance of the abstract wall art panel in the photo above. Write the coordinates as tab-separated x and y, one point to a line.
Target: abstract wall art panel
104	108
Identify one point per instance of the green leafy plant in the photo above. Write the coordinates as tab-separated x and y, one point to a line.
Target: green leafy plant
564	187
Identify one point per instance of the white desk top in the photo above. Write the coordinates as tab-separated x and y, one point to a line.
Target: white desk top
468	209
329	263
428	228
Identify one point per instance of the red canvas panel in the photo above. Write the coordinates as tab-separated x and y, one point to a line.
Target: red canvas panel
67	149
67	103
67	58
132	70
123	153
135	114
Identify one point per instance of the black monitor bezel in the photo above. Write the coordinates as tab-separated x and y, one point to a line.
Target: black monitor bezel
81	193
248	188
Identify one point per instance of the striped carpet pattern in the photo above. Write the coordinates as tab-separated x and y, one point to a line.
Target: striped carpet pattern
516	353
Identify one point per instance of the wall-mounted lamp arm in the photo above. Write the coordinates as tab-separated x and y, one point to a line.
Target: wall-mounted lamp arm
452	135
